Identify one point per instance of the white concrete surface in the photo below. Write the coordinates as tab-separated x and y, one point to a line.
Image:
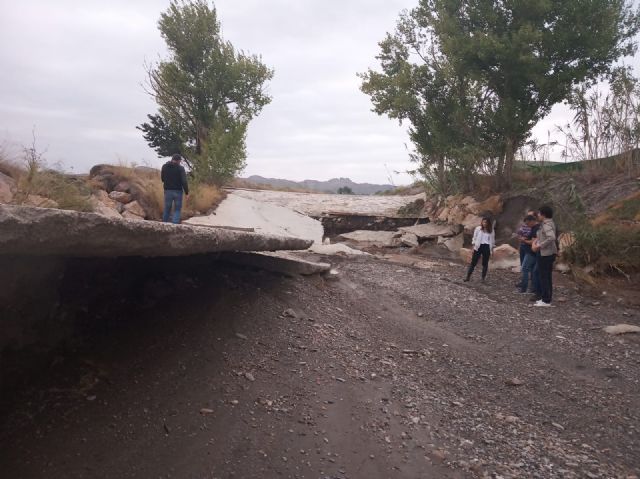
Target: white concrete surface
237	211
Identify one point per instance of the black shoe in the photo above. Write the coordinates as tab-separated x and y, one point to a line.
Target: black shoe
535	297
466	279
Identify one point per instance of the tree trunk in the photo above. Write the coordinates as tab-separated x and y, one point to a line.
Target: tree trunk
442	176
499	172
509	155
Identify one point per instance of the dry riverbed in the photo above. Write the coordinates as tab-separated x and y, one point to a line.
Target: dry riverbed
393	370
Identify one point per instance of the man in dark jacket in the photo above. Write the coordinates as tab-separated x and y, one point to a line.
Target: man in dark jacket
174	179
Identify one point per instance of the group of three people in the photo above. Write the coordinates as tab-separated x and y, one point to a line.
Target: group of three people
538	251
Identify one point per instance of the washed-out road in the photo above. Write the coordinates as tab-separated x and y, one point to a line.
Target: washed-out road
395	370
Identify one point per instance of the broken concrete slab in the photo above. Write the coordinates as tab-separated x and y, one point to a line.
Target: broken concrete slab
335	249
277	262
382	238
453	244
239	212
432	230
34	231
409	239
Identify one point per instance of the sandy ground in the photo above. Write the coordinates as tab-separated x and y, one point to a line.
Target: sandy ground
397	370
315	204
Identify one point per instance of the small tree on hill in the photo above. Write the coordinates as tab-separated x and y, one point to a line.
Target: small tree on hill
345	190
207	93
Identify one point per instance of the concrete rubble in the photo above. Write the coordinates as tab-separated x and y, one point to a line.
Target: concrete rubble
432	230
34	231
239	212
277	262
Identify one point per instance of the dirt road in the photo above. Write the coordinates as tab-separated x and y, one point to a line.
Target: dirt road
393	371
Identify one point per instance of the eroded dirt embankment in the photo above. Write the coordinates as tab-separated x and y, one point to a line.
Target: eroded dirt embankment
206	370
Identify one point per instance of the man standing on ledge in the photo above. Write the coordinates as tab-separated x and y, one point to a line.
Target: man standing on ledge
174	179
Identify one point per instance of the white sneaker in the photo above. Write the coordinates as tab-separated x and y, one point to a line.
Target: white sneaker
542	303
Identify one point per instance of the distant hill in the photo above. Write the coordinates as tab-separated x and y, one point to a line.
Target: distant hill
329	186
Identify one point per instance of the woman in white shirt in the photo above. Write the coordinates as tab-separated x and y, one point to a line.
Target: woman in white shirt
484	240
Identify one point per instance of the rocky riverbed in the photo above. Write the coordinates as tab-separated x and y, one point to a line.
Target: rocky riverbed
396	369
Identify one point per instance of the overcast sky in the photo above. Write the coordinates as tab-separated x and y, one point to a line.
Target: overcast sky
74	69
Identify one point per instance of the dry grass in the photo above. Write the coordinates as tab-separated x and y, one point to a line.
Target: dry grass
203	199
69	192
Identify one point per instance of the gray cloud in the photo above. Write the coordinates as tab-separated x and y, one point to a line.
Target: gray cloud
74	70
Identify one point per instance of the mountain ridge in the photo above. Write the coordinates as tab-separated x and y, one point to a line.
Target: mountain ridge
328	186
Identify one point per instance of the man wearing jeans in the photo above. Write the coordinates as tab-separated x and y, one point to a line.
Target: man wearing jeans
174	179
545	243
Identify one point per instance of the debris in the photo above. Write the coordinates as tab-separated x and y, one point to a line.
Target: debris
249	376
241	336
289	313
204	411
622	329
514	382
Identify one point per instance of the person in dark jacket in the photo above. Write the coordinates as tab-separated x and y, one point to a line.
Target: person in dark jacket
174	179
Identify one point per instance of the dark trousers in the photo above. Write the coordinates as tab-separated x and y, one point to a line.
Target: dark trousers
545	271
485	252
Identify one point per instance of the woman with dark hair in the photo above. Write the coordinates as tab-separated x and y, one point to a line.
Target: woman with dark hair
484	240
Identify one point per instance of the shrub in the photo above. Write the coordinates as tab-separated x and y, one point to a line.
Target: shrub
606	248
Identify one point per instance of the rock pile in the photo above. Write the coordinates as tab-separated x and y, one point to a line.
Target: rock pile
467	211
118	195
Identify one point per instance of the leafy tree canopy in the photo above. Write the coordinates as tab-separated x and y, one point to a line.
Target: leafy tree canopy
206	91
474	76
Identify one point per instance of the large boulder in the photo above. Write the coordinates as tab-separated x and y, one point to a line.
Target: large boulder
466	211
431	230
409	239
7	188
453	244
120	197
135	209
40	232
40	202
102	197
128	215
105	210
492	205
503	257
470	222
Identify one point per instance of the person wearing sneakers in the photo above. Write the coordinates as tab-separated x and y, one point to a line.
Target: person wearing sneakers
484	241
545	244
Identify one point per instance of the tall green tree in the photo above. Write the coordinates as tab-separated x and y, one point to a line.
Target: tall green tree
206	91
520	56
